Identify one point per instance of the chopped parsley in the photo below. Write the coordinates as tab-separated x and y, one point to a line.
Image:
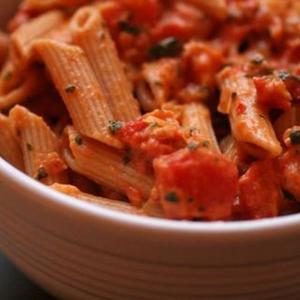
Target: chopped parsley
205	144
172	197
41	174
114	126
29	147
78	140
295	137
129	28
70	88
285	75
257	60
8	75
170	46
192	146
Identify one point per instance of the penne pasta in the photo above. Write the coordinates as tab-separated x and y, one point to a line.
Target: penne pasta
91	34
22	39
77	85
9	147
197	121
105	166
74	192
39	147
250	123
161	77
215	8
32	86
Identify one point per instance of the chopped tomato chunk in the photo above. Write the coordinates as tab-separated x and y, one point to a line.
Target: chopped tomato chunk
259	191
196	183
202	62
155	134
272	92
144	11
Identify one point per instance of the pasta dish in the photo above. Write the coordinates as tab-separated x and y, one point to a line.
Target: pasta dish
186	110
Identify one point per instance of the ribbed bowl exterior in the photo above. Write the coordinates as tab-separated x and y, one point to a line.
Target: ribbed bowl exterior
79	253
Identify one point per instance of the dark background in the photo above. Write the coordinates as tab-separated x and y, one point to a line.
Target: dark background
15	286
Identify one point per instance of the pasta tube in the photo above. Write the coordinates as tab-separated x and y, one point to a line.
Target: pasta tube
9	147
23	37
90	33
105	166
196	119
78	86
250	123
39	147
72	191
33	84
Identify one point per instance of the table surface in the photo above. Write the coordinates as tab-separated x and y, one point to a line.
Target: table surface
15	286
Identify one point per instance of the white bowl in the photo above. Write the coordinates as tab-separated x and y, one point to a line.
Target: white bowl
77	250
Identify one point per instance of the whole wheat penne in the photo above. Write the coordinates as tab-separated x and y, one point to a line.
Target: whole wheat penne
9	147
91	34
72	191
78	86
250	123
196	119
229	147
33	84
4	42
22	38
39	147
215	8
161	77
105	166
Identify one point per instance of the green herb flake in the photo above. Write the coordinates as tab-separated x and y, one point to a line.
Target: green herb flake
8	75
287	195
172	197
295	137
70	88
283	75
257	60
114	126
78	140
41	174
29	147
170	46
129	28
205	144
192	146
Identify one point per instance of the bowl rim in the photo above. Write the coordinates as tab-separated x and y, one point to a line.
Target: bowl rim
13	177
